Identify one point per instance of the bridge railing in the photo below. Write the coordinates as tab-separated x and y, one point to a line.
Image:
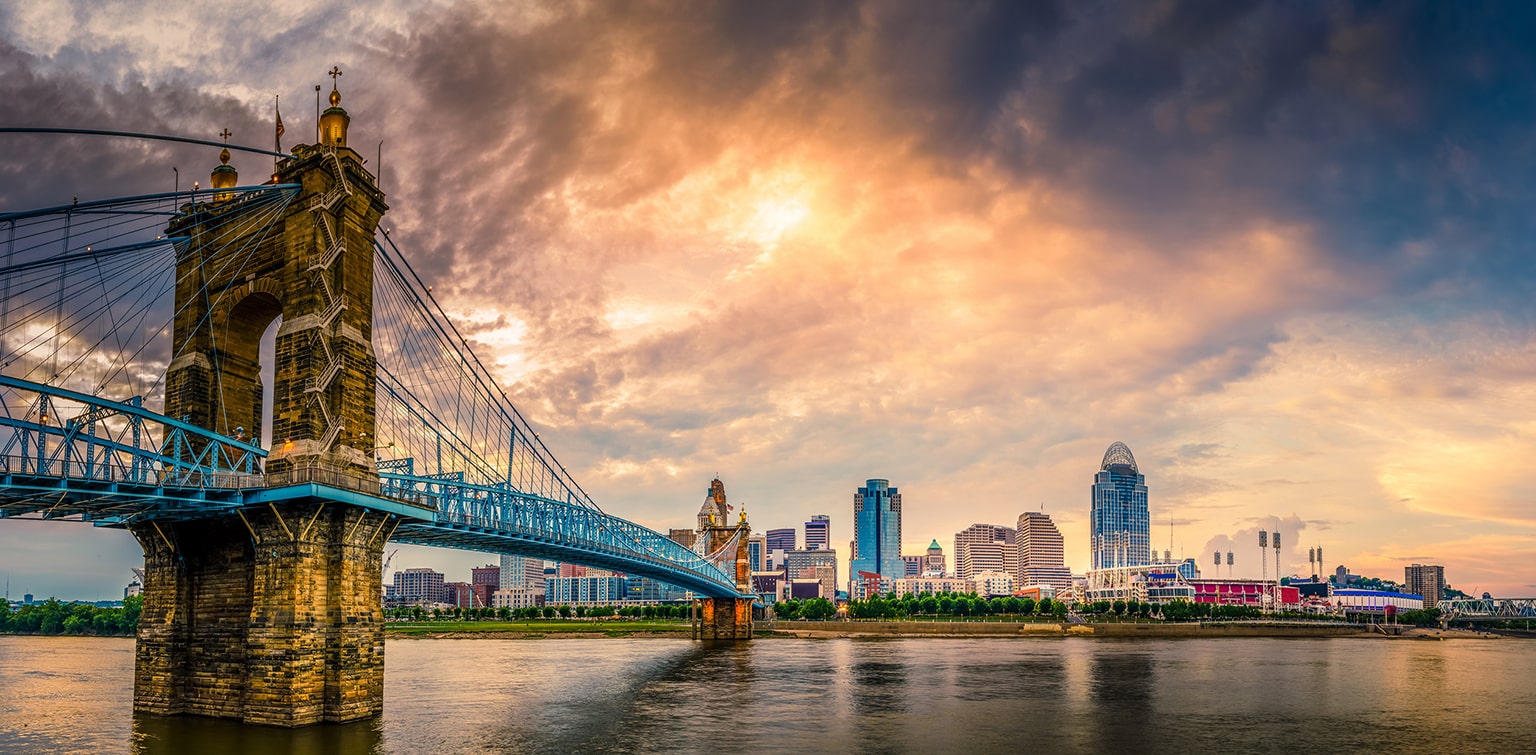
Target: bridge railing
48	431
507	512
100	472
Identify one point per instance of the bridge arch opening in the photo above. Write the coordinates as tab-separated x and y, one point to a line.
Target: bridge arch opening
245	377
268	355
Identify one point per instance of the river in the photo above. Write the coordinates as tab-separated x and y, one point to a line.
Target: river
60	694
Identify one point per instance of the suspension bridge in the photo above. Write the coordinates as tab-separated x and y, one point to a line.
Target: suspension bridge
135	394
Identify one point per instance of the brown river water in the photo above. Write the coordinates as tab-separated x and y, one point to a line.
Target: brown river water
61	694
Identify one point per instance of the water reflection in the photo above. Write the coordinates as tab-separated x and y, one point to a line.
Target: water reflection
1122	688
175	735
880	683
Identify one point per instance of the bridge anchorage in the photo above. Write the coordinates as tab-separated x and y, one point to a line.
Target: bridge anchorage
263	566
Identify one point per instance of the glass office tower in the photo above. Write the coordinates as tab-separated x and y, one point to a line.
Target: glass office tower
877	530
1120	529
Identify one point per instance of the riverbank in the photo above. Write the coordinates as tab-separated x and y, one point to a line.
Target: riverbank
830	629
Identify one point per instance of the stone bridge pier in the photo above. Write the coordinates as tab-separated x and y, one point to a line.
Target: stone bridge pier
726	618
273	616
273	613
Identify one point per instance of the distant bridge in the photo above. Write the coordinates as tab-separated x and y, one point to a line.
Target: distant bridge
1487	609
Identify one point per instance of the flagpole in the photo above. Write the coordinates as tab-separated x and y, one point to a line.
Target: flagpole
277	139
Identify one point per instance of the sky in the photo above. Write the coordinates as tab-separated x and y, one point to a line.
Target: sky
1281	250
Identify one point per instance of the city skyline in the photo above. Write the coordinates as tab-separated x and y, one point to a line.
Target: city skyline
1279	252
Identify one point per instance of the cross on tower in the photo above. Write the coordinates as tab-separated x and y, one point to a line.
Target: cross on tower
334	72
225	133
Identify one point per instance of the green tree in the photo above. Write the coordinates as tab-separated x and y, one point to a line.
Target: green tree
1119	607
819	609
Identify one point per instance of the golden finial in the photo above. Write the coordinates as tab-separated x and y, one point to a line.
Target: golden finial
335	93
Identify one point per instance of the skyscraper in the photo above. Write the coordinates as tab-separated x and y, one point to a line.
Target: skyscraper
1120	532
782	539
1041	552
715	510
877	530
984	547
757	553
818	532
1428	581
777	542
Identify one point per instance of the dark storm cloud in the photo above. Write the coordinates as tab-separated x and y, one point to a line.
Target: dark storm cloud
46	170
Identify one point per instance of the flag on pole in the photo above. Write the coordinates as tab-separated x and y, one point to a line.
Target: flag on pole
277	143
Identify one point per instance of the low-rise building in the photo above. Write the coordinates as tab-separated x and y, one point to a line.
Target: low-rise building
458	594
931	585
415	587
993	584
1375	601
585	590
517	597
1243	592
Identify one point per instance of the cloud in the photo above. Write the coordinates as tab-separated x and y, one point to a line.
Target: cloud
1277	251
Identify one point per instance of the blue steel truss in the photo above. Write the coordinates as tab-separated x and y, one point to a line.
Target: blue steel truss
69	455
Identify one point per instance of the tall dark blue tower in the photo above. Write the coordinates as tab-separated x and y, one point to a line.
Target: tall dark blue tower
1121	529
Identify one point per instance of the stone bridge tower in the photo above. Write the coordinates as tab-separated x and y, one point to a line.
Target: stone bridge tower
313	267
274	615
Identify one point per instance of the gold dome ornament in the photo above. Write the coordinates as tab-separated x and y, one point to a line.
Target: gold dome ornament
334	121
224	176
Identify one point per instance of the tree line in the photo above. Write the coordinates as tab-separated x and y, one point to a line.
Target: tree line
892	606
53	617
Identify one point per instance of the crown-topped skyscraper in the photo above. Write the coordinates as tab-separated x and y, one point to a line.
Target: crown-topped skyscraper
1120	528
